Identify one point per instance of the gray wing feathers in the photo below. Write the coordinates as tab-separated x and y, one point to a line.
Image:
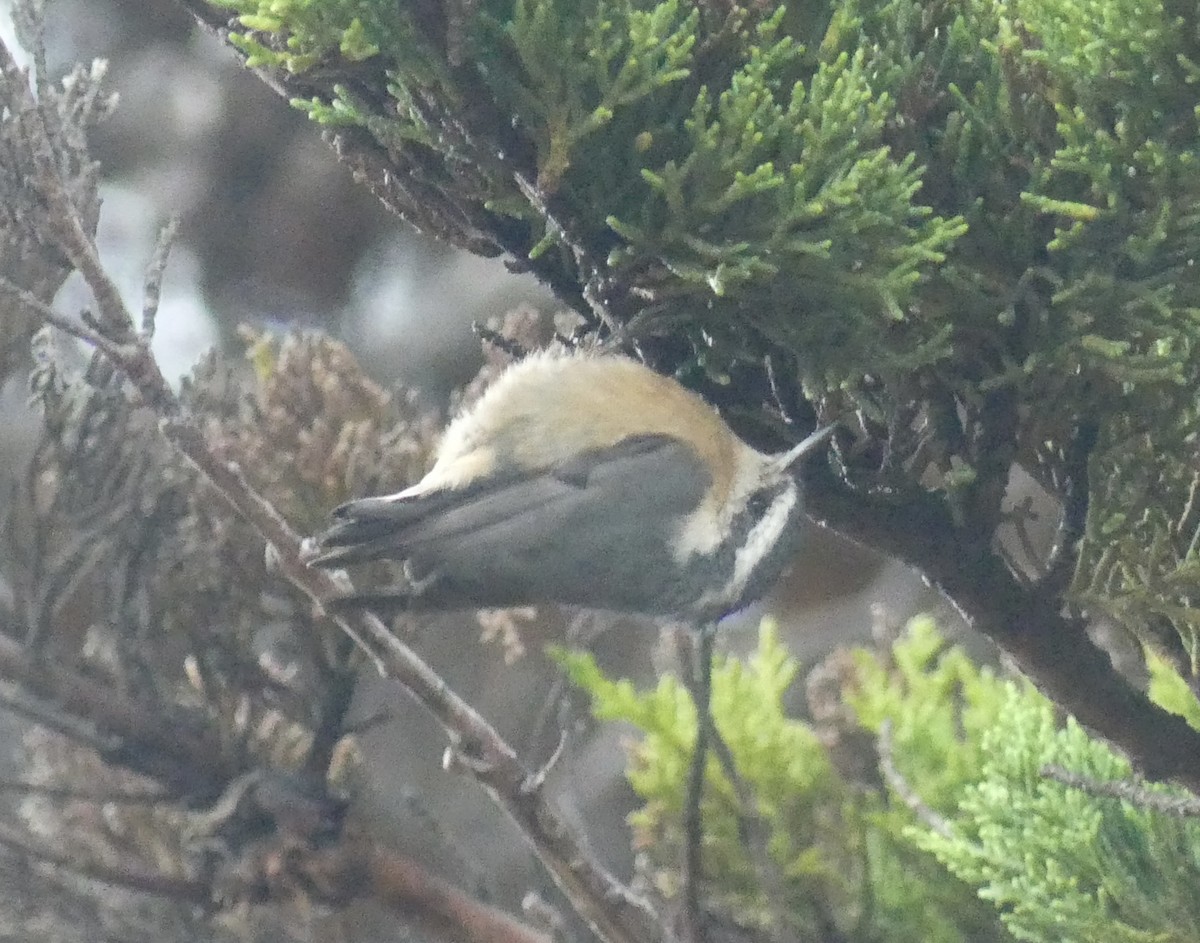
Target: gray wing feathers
538	537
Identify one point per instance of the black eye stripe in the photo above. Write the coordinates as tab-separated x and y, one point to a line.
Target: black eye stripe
758	503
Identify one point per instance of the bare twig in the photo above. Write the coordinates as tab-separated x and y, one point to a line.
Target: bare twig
542	915
127	876
376	718
1132	791
152	287
582	630
614	912
901	787
755	836
76	329
693	826
405	885
97	796
537	779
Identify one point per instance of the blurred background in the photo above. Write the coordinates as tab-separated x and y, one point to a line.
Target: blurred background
275	235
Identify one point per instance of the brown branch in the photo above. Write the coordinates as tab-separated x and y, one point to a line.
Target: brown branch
195	755
357	867
403	884
611	909
1131	791
1053	650
129	877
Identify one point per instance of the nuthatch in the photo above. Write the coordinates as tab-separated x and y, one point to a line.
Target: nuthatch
586	480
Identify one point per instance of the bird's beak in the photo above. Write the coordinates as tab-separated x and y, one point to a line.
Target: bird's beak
799	453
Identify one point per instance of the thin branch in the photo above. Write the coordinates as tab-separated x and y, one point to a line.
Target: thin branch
75	329
377	718
195	755
901	787
152	287
583	629
542	915
612	910
96	796
693	826
1131	791
754	834
405	885
1052	649
131	878
537	779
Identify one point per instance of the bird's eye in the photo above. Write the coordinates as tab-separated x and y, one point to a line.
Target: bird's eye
757	504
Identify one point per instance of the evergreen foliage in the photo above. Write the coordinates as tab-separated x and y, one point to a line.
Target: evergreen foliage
842	851
983	217
967	230
1055	862
1063	865
970	231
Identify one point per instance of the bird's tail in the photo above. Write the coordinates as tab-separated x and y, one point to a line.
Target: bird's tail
387	603
368	529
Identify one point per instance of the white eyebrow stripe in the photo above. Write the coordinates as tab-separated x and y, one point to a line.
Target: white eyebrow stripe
760	540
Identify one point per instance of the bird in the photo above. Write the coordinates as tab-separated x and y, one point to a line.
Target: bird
583	479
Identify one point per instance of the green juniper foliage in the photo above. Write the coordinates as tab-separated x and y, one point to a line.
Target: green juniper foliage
843	852
970	230
797	790
1065	866
1056	863
972	219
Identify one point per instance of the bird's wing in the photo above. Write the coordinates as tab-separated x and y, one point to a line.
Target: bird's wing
639	476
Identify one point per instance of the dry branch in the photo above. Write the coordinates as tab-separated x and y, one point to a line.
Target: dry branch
957	556
610	908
